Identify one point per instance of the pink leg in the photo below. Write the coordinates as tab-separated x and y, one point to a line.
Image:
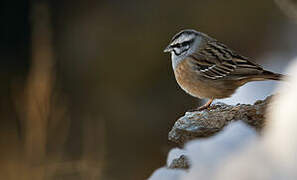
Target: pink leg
205	106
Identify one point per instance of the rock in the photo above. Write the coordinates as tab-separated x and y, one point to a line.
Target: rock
207	122
180	163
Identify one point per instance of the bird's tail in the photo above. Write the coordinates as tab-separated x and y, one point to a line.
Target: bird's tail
263	76
268	75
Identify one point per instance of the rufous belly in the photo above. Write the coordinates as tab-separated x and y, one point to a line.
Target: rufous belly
190	81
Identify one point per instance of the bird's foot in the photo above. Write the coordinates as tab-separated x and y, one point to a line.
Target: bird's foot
203	107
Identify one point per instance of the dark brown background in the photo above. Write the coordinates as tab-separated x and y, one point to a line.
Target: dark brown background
86	90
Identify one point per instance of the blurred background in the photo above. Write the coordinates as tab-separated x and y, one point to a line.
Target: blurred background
87	92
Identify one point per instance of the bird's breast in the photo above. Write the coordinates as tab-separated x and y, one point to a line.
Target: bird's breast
187	79
194	84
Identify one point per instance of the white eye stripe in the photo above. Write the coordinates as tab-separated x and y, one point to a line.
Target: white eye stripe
183	38
183	44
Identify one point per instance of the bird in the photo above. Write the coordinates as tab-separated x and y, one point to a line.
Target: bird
206	68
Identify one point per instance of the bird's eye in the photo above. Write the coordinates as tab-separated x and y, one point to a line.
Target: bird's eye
178	45
184	43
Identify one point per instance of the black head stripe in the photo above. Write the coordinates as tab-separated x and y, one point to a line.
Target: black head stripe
176	53
185	43
187	32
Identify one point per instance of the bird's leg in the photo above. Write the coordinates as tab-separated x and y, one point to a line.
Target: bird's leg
206	105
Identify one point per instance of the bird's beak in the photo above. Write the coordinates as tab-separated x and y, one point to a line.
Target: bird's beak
168	49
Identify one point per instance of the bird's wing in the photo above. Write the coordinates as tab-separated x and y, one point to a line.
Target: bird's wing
216	61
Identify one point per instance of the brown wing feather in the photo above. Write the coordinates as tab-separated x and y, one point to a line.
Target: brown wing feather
216	61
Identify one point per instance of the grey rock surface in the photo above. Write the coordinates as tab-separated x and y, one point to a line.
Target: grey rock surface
180	163
205	123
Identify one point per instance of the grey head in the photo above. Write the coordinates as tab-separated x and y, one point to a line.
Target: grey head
184	43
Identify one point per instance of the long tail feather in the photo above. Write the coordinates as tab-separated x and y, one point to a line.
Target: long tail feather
272	76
